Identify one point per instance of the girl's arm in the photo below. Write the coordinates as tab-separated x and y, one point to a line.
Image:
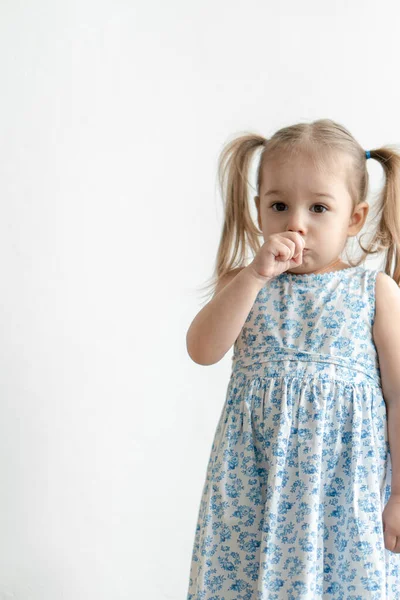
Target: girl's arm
393	416
386	334
215	328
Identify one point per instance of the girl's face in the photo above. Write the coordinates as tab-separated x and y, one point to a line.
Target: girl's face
295	196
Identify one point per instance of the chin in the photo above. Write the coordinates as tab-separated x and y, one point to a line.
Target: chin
302	266
299	268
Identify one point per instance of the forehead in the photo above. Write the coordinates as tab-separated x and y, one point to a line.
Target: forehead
302	171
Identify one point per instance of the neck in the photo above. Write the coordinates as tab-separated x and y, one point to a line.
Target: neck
328	267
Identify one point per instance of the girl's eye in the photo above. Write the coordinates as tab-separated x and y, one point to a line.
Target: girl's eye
318	212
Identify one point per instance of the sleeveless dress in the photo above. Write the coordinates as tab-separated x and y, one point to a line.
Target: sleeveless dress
300	469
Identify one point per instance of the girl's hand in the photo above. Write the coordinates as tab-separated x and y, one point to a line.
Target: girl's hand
280	252
391	523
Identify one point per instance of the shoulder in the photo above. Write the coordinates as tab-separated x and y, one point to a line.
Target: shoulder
226	278
387	305
386	289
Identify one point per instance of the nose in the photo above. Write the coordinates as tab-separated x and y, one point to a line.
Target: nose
298	229
296	223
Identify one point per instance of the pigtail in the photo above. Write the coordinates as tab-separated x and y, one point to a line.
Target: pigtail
387	235
239	230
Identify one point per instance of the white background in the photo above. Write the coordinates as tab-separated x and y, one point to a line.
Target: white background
113	116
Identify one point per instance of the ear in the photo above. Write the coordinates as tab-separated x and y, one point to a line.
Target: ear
257	203
358	218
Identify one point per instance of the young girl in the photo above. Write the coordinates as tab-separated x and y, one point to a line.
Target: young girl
302	492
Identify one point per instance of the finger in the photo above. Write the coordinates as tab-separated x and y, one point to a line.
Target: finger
297	239
390	541
297	259
291	245
282	251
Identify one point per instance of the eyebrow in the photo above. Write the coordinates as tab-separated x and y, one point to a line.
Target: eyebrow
280	193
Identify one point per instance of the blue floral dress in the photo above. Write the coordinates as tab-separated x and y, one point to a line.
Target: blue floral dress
300	470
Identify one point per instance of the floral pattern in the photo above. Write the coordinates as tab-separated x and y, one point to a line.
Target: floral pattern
299	471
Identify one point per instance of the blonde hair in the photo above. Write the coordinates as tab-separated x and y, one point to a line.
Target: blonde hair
320	140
